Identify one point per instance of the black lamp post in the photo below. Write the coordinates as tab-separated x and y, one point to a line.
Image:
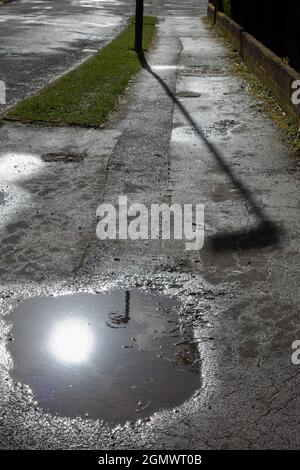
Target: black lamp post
139	23
216	10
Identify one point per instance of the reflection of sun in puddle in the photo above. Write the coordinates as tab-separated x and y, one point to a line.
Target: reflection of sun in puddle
71	341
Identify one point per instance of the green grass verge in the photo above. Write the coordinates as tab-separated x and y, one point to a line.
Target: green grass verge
87	95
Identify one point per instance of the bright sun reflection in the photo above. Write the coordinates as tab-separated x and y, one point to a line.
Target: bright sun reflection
71	341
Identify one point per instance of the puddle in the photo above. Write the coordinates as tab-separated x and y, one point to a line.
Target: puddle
64	157
167	67
222	127
119	356
188	94
222	195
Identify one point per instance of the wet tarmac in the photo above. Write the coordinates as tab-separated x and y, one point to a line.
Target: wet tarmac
119	356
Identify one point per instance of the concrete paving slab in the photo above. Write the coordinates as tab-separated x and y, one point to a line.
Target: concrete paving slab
43	201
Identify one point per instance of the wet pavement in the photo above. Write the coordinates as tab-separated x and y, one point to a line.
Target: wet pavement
49	209
238	296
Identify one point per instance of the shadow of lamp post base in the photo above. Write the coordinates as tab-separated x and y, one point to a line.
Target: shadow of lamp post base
263	235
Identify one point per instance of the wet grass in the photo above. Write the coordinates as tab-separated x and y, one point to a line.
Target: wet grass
87	95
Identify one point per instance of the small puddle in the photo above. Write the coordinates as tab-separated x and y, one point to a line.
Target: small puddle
221	128
188	94
119	356
63	157
222	195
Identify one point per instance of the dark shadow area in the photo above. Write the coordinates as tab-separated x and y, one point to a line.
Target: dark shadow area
266	232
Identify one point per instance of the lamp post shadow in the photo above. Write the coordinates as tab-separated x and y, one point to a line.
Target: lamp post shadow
265	232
